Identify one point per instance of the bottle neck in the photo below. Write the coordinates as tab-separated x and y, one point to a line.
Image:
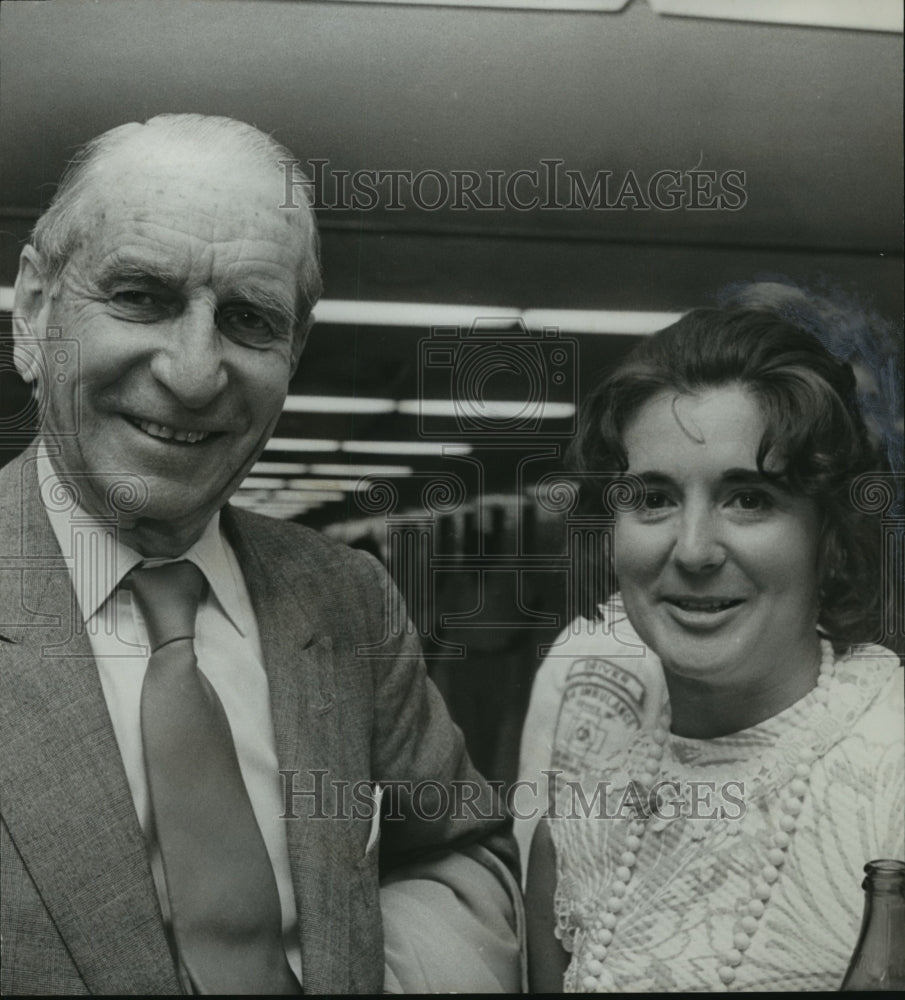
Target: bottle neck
878	961
884	878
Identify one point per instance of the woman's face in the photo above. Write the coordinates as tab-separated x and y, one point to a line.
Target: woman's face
718	567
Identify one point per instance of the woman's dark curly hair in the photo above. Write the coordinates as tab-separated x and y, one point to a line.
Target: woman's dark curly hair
815	435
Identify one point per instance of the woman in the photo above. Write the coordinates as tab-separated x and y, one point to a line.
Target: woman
725	846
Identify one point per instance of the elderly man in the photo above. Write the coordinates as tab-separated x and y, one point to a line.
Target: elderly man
208	785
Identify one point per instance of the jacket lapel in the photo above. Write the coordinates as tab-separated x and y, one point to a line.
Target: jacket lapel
300	668
65	796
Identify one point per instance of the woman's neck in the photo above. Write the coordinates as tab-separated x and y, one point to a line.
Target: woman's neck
704	710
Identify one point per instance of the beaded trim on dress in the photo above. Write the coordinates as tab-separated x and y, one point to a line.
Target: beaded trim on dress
772	759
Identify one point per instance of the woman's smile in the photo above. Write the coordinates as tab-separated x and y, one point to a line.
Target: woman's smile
708	612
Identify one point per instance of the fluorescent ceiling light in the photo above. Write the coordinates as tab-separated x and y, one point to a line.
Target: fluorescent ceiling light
246	496
257	500
279	469
352	471
337	469
286	497
432	314
369	447
307	486
293	496
607	6
406	448
878	15
301	444
422	407
599	321
427	314
501	408
338	404
266	501
261	483
264	497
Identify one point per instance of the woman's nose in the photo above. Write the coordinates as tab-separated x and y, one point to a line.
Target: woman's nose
698	546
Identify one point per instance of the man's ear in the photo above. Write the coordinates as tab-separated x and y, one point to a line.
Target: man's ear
31	295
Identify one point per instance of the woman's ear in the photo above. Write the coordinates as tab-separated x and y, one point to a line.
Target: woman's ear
831	567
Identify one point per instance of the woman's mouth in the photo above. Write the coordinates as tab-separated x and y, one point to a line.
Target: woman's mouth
710	605
702	613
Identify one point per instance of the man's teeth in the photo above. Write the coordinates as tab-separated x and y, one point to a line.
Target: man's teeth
170	433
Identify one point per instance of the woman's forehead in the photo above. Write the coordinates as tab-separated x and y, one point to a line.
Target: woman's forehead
709	428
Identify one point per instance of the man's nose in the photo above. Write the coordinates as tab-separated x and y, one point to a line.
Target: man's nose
699	544
190	360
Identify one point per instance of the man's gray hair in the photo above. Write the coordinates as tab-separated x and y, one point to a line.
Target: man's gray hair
60	227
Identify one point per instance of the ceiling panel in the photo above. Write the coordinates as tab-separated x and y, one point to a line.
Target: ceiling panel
811	117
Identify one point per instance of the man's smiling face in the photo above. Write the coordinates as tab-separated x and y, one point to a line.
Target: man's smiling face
182	296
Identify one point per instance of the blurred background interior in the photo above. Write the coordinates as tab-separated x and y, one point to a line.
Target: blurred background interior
462	321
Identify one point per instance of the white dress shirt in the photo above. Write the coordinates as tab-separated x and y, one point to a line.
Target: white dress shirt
228	648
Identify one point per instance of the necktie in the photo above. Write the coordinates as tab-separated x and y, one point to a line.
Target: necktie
223	896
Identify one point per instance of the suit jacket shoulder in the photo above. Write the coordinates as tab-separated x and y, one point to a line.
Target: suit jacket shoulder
341	589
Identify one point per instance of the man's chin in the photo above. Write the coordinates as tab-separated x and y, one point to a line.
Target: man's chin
150	512
157	534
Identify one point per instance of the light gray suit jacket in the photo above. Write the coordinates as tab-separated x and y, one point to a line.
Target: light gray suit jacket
79	908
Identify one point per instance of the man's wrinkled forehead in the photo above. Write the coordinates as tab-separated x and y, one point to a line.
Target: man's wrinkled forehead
149	165
152	171
167	191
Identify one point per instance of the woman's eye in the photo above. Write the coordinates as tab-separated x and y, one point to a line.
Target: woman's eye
753	500
655	500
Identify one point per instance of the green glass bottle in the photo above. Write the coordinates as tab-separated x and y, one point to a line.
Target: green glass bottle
878	961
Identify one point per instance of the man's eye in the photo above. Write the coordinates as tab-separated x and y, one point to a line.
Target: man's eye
134	297
142	305
245	325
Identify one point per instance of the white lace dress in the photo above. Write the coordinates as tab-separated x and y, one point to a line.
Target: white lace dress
728	900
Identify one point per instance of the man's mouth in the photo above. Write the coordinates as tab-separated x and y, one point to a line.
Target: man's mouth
166	433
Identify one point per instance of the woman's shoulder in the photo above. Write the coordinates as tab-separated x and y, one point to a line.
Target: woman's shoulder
867	712
859	786
872	683
871	651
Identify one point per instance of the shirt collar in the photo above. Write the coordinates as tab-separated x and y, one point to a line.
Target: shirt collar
210	555
77	533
